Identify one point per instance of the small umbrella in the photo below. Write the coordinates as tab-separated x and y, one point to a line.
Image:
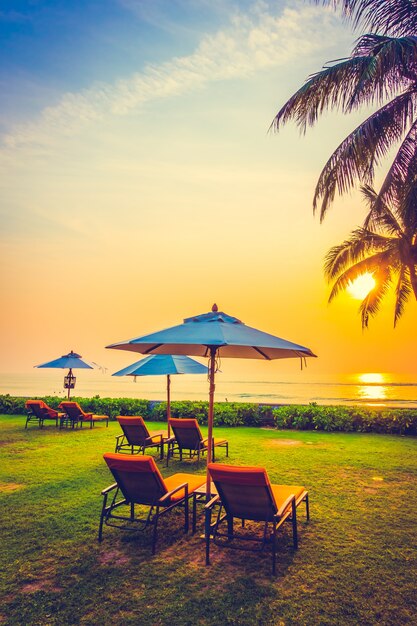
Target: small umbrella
72	360
164	364
215	335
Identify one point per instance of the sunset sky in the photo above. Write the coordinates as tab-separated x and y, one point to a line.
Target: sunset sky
140	184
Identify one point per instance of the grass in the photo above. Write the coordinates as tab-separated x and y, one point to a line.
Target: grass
356	562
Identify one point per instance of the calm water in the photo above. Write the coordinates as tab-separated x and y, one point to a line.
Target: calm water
372	389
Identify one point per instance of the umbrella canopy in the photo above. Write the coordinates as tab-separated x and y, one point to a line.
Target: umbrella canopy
72	360
164	364
225	335
215	334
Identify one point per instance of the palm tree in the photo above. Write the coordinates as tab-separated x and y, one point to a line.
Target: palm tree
385	246
397	17
382	71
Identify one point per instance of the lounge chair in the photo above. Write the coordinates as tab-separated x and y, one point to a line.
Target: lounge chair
136	437
75	416
188	437
246	493
139	481
39	411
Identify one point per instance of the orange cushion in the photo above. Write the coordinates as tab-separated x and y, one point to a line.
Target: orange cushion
188	422
131	420
136	464
243	475
72	407
194	482
40	403
281	492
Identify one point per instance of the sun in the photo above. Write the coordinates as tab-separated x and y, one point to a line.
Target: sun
371	378
361	286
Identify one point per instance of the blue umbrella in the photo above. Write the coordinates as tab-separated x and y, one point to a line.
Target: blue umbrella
215	335
164	364
71	361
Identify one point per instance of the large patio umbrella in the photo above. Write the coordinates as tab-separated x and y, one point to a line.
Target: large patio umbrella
164	364
215	335
69	361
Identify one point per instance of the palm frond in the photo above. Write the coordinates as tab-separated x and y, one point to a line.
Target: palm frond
399	186
353	250
331	88
372	264
397	17
380	217
370	305
392	67
402	293
355	158
369	194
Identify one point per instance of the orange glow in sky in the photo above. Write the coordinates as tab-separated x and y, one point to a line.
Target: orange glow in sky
141	185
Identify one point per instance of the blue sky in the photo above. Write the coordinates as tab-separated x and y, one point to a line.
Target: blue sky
138	172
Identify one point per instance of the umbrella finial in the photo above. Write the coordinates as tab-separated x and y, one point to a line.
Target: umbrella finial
214	308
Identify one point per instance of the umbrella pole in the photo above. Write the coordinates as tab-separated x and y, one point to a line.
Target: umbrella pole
69	382
212	371
168	402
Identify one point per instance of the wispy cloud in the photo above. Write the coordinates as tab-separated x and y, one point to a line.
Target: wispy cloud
252	42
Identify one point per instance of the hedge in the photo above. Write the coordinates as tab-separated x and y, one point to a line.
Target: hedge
298	417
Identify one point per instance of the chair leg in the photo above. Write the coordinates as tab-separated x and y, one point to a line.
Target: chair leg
307	508
274	548
155	530
186	515
207	534
100	528
294	524
230	527
194	523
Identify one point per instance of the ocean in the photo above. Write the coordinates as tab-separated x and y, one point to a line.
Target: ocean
372	389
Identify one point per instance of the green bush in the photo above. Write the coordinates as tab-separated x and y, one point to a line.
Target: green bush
298	417
346	419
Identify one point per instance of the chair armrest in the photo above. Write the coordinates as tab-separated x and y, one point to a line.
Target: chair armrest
212	502
119	437
286	504
170	493
107	489
149	439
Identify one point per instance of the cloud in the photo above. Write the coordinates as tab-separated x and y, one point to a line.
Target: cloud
252	42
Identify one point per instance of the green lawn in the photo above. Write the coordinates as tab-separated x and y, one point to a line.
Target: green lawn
356	563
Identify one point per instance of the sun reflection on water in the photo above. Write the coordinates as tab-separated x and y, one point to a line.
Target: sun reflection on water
371	388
